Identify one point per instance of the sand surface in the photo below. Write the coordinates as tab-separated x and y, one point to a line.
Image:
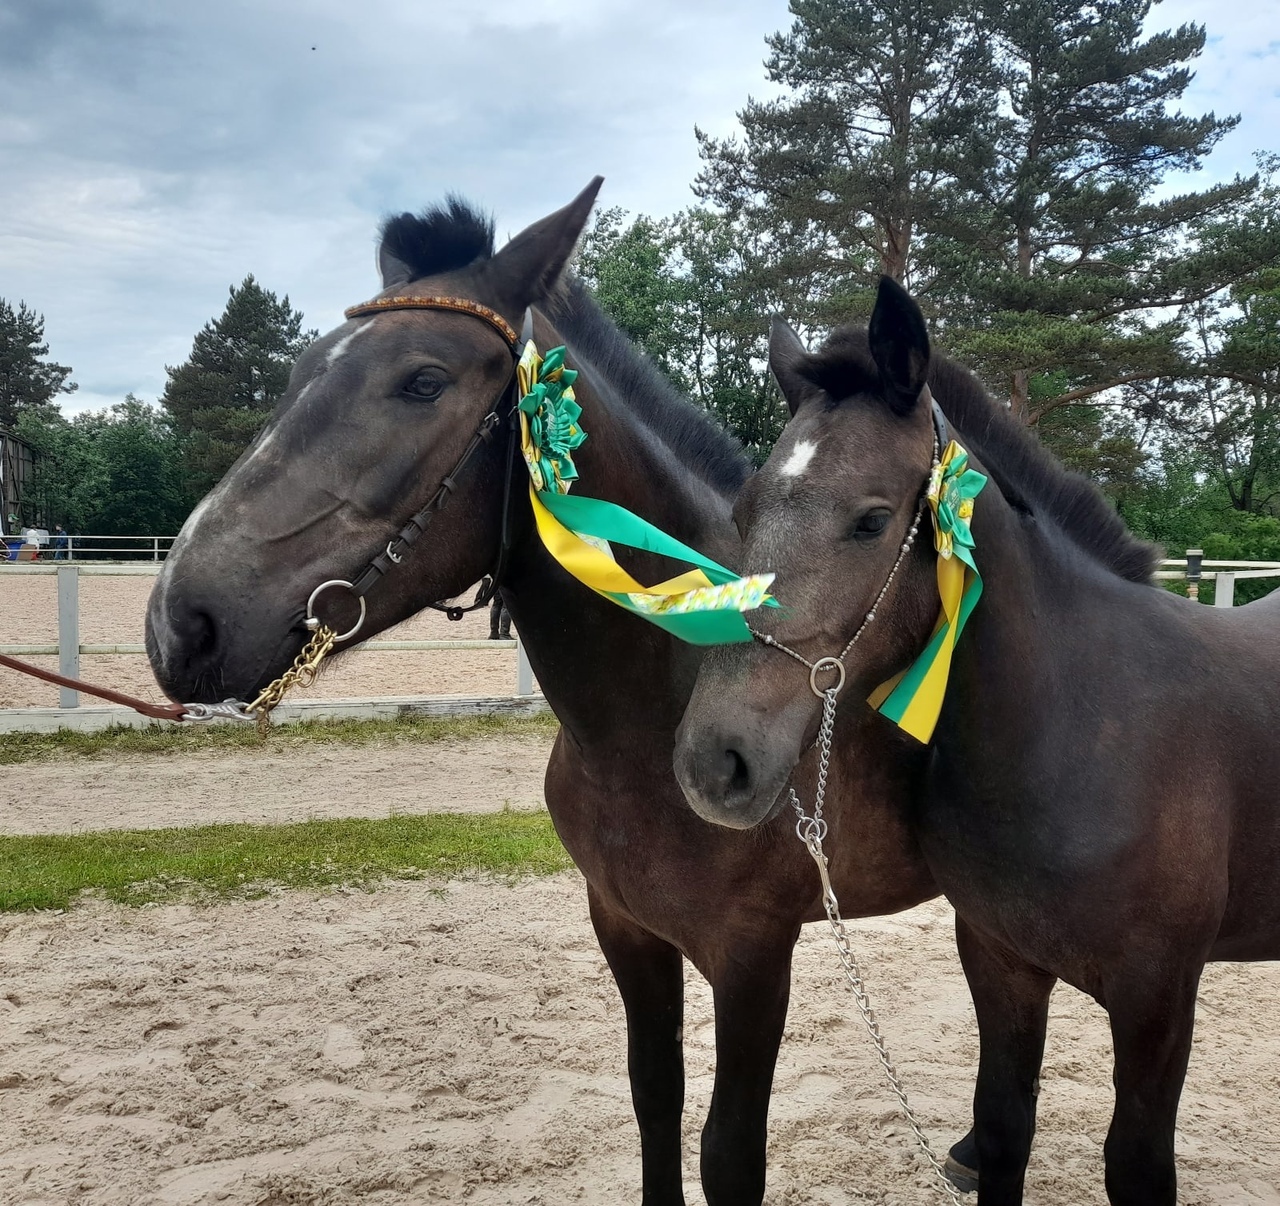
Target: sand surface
464	1041
112	611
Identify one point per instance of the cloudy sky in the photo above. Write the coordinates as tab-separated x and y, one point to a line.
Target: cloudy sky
153	154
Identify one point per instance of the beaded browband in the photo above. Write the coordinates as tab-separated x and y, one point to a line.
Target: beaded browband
461	304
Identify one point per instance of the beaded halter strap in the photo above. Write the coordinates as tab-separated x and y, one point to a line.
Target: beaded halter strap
463	305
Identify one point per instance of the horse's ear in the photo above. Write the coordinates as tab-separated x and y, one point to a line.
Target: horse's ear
899	342
394	271
528	269
788	358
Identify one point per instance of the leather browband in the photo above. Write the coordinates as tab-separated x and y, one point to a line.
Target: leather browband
462	305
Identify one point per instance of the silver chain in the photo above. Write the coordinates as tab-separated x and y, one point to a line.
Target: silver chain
811	830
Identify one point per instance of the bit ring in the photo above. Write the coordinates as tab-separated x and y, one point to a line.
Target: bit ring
313	622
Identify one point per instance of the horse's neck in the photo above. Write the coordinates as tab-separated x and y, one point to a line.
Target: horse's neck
1036	644
607	673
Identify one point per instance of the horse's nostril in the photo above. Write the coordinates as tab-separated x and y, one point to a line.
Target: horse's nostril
739	777
195	631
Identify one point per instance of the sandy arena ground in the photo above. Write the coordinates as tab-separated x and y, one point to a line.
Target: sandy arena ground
112	610
464	1041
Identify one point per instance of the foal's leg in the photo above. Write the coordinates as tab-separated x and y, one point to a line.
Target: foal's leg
1011	1000
751	987
1151	1024
650	977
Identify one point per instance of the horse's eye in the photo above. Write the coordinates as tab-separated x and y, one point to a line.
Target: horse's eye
870	525
427	386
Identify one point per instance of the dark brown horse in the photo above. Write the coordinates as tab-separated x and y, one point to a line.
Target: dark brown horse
377	412
1101	797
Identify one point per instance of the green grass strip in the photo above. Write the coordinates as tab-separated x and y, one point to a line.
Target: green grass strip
173	739
240	861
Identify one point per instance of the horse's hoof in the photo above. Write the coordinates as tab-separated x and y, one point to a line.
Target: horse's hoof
961	1165
964	1179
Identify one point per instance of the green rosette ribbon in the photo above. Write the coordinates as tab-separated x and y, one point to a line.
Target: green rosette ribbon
913	699
703	606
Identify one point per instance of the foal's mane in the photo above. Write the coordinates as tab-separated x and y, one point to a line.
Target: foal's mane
1029	476
455	235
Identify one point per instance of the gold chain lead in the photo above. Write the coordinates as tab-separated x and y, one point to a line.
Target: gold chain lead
301	674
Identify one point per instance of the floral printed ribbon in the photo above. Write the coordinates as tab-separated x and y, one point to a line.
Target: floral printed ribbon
703	606
913	699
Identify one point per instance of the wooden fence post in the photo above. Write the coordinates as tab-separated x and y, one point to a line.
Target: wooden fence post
1224	590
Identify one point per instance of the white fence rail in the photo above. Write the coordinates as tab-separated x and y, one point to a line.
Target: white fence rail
49	546
1192	569
69	650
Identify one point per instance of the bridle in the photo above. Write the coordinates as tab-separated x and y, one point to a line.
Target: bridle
503	412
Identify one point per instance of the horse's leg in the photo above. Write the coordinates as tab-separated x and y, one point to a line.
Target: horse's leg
650	976
751	987
1151	1024
1011	1000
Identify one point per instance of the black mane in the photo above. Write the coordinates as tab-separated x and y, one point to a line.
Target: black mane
1027	474
693	435
442	238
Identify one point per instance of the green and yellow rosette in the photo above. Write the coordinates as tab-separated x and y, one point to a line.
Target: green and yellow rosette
913	699
703	606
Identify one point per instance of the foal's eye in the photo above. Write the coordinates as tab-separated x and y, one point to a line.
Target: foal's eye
870	525
427	386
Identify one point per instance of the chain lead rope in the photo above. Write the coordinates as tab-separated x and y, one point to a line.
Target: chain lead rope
811	830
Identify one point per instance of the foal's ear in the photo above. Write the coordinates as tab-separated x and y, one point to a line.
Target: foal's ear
528	269
788	358
899	342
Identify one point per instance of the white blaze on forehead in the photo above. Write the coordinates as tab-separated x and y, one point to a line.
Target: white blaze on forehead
799	459
332	355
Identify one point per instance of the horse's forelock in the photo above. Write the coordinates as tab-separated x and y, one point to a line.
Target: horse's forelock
444	238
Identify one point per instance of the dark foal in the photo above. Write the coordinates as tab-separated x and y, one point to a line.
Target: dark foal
1099	800
376	413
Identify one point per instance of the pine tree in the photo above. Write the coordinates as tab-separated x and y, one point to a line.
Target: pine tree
238	369
1063	251
884	99
28	380
1002	158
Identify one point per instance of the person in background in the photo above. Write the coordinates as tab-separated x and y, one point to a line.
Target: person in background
60	542
499	620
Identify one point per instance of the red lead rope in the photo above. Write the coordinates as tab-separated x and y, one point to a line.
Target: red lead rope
171	711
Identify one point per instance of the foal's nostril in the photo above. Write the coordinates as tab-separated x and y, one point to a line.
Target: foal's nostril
738	777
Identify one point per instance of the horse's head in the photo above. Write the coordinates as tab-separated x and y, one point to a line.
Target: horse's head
829	513
376	415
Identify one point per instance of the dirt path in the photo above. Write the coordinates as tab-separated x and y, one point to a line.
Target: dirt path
477	775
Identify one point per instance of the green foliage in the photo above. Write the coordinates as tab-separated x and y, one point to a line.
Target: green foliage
111	472
1178	506
238	369
29	381
136	867
1103	447
683	289
1070	248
